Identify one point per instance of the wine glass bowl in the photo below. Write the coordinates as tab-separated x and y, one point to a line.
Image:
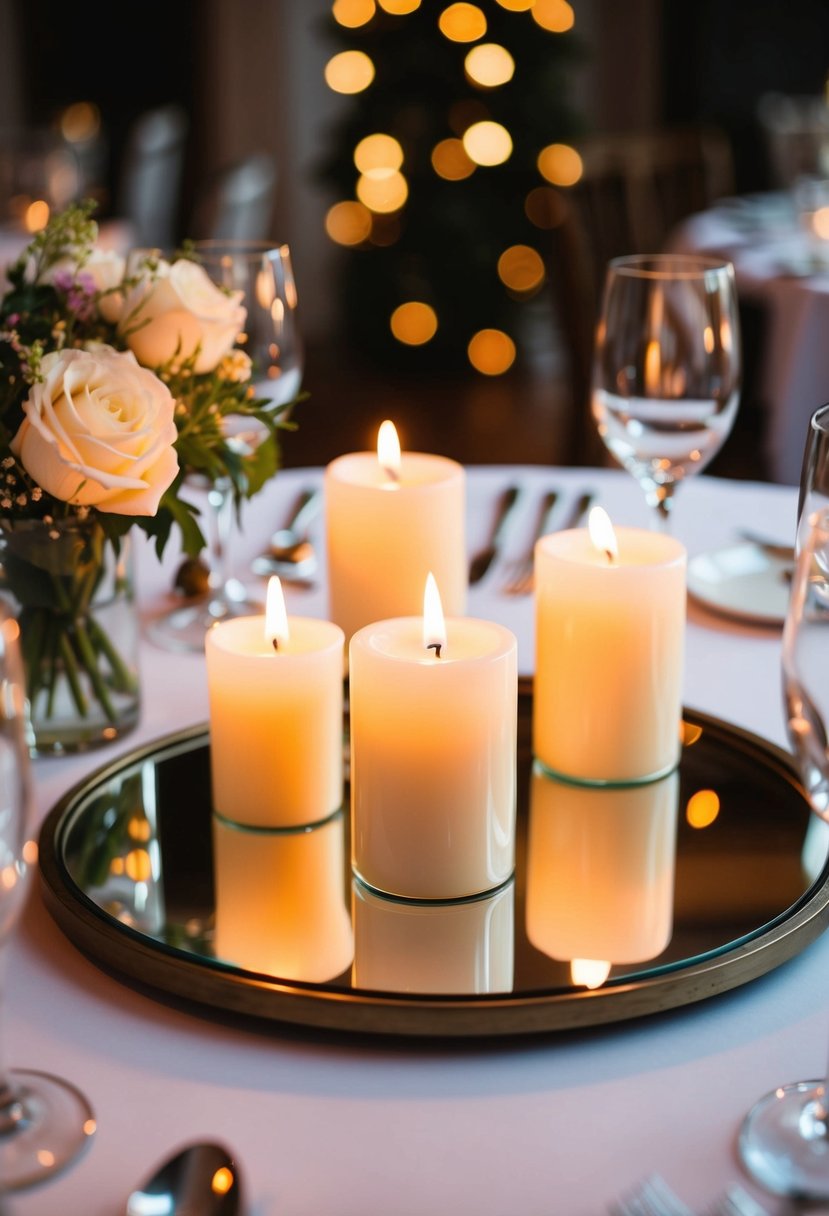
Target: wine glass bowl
784	1139
666	367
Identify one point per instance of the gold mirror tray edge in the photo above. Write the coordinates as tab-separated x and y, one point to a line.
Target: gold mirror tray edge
164	970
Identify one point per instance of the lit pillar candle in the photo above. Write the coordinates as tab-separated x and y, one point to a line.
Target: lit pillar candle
390	519
433	754
610	632
461	947
600	872
275	687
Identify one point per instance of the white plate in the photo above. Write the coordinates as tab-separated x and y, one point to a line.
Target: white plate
742	581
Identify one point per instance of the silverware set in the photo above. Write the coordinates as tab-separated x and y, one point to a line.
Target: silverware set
653	1197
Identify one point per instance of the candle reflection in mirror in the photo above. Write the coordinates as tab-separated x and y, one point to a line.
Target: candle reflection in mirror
600	873
464	947
280	900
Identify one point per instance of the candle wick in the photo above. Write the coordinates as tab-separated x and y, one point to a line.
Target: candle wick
436	646
392	474
611	560
275	643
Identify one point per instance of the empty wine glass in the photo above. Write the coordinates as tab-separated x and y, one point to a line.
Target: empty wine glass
784	1139
814	477
262	272
44	1121
666	368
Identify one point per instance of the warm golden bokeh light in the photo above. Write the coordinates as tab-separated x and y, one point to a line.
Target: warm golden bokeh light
348	222
414	323
378	152
560	164
80	122
491	352
820	223
517	6
386	193
462	23
589	972
399	8
36	215
487	143
557	16
689	733
449	160
353	13
545	207
222	1181
349	72
703	808
489	65
139	829
521	269
138	865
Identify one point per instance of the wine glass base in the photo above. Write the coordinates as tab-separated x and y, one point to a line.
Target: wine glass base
184	628
784	1141
53	1123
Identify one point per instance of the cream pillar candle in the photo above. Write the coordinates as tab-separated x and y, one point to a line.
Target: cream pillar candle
390	519
280	900
600	869
276	717
433	756
461	947
610	632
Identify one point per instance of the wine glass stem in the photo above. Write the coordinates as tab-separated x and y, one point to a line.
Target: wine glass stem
661	498
220	500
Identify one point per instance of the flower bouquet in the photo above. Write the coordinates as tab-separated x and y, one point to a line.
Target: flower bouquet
113	388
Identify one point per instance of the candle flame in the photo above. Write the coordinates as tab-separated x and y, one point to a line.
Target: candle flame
276	616
591	972
434	625
653	369
388	450
602	534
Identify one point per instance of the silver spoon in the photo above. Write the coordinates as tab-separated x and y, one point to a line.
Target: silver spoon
290	553
202	1179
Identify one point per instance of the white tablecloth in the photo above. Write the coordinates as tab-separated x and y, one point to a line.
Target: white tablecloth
327	1124
776	267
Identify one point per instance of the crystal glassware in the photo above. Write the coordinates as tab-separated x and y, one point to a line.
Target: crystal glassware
666	367
44	1121
262	271
814	477
784	1139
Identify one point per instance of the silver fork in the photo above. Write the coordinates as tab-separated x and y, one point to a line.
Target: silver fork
653	1197
520	573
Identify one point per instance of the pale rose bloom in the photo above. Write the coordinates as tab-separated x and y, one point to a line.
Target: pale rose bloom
99	432
105	268
176	309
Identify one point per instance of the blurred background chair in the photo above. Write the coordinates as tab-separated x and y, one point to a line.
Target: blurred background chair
795	131
237	202
149	190
634	188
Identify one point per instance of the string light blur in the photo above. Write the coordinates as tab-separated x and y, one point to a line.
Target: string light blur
491	352
353	13
383	193
378	152
348	222
399	8
545	207
487	143
560	164
489	65
414	323
521	269
557	16
703	808
349	72
462	23
80	122
449	160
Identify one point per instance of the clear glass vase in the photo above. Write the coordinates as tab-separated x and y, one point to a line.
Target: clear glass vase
72	592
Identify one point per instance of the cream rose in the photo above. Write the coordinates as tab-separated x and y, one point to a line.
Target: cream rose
177	309
99	432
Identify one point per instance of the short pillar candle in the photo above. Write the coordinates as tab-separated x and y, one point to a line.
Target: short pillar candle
610	637
276	718
390	519
433	757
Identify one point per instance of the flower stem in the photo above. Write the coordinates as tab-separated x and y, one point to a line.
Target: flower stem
70	666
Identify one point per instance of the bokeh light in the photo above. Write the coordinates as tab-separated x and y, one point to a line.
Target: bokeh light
348	222
487	143
449	160
378	151
489	65
517	6
383	193
703	808
557	16
414	323
80	122
36	216
491	352
399	8
462	23
349	72
353	13
545	207
521	269
560	164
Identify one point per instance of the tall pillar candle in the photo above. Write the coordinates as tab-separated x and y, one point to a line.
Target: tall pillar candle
390	519
433	757
610	634
276	718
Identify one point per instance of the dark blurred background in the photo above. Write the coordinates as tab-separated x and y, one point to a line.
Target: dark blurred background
240	89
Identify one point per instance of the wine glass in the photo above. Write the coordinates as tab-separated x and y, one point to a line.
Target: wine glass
44	1121
814	477
666	368
784	1139
262	271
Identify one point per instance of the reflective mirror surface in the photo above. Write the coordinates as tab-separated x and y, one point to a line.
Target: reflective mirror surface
624	901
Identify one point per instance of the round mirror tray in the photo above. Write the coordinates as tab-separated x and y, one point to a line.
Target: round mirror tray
624	902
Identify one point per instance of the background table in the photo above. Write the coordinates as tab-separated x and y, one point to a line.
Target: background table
326	1123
